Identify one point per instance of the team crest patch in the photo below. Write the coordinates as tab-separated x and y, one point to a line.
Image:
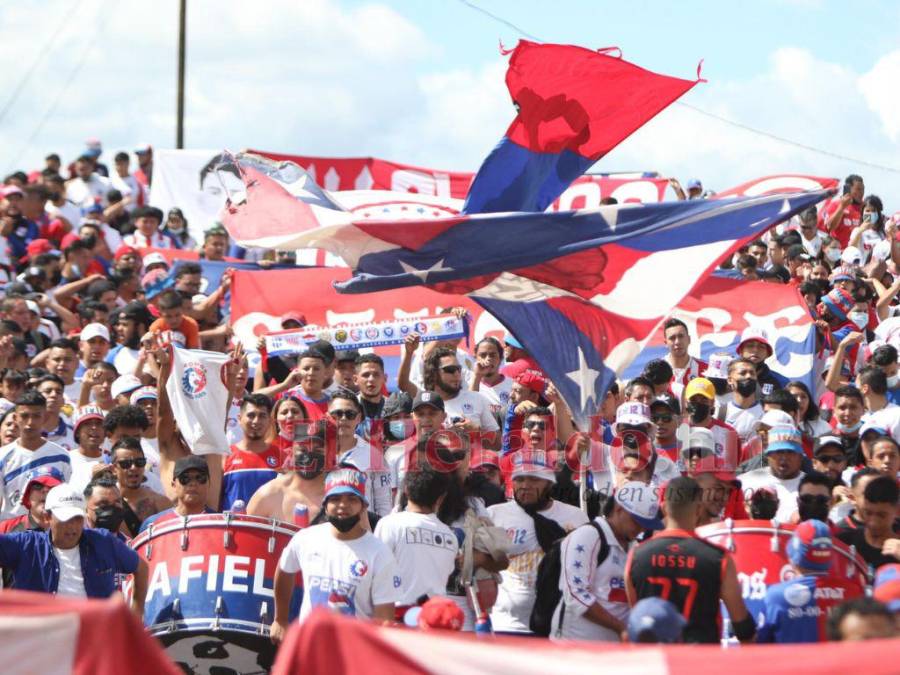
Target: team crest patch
194	380
359	568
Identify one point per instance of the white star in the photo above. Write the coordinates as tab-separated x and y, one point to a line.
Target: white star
423	274
785	207
585	378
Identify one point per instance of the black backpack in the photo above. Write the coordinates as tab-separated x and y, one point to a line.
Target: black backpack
547	590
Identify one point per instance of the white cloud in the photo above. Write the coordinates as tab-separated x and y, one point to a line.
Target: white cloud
879	87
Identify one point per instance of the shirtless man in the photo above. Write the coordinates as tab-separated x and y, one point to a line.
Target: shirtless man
141	502
305	484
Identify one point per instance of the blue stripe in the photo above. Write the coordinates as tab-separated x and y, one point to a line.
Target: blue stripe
51	459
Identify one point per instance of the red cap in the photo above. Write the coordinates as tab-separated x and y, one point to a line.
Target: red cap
47	479
484	458
441	613
519	366
532	381
39	247
293	316
68	240
124	249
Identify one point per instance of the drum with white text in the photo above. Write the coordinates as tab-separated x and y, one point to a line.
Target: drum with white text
210	597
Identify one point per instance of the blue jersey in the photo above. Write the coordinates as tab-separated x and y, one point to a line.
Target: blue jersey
797	610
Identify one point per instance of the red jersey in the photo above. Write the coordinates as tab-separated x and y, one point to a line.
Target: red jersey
681	376
851	218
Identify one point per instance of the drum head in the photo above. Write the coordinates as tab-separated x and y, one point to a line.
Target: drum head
222	652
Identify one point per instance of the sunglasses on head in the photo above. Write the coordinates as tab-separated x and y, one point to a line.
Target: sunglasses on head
831	459
140	463
343	414
813	499
451	370
662	417
187	479
535	424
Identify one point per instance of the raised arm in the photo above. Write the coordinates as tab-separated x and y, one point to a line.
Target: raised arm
410	345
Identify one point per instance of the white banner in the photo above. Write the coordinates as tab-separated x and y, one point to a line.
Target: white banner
199	398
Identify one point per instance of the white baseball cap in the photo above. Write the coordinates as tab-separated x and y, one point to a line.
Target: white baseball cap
124	384
65	502
154	258
93	330
701	437
773	418
633	412
534	465
143	392
642	503
852	256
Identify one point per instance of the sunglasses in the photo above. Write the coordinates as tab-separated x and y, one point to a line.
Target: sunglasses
200	478
535	424
451	370
343	414
663	417
832	459
126	464
813	499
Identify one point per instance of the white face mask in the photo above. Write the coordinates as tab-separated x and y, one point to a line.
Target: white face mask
861	319
893	381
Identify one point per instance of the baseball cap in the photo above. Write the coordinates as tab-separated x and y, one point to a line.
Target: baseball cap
852	256
701	437
152	278
124	384
702	386
33	307
668	401
124	250
346	482
9	190
633	412
293	316
872	425
694	184
49	476
93	330
641	503
65	502
827	441
511	341
440	613
346	355
718	365
396	404
484	458
842	273
772	418
755	334
143	148
154	258
141	393
798	252
657	617
534	466
784	438
810	546
886	588
38	247
531	380
325	348
85	413
191	462
428	398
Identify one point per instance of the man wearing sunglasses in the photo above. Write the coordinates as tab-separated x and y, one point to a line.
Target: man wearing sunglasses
191	485
140	501
357	453
814	499
665	412
829	458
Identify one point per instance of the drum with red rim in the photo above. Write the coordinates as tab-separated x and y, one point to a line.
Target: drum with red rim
759	549
210	597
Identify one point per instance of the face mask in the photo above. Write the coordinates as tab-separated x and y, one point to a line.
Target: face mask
860	319
873	217
344	525
309	465
849	429
833	254
893	381
817	510
109	517
745	387
177	229
698	411
398	429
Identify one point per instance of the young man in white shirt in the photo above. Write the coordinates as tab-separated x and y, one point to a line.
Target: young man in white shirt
89	436
29	451
146	233
784	456
594	604
57	425
345	567
124	182
872	384
425	548
356	452
532	482
87	188
487	378
744	410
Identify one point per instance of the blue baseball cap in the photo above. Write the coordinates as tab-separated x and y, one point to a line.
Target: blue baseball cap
346	482
511	341
783	437
810	547
659	618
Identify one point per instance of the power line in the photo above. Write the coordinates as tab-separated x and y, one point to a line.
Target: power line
43	52
82	59
724	120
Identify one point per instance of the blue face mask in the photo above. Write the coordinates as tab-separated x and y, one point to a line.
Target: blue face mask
849	429
398	429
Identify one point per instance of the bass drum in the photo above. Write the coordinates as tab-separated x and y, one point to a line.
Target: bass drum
759	549
210	598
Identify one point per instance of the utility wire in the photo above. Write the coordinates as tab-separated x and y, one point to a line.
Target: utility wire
724	120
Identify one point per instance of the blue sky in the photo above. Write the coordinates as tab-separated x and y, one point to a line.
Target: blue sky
421	81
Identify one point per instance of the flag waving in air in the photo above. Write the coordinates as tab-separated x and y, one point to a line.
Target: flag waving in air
574	106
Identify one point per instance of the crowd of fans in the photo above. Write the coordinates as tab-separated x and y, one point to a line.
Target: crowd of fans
469	491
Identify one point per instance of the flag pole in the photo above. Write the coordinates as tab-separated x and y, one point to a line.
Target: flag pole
182	29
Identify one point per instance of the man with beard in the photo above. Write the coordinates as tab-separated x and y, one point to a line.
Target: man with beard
141	502
133	322
103	505
254	461
345	568
784	457
89	438
190	483
487	378
304	483
525	520
355	452
370	380
814	497
830	459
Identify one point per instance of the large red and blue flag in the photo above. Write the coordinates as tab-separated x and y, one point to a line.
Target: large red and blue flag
574	106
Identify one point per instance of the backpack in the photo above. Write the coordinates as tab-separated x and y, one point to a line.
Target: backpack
548	594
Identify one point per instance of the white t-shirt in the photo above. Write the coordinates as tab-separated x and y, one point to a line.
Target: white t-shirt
814	245
156	240
473	406
417	367
516	593
888	418
498	395
87	193
348	577
126	360
82	469
129	187
71	578
72	392
743	419
583	583
153	480
17	462
605	481
425	550
68	210
64	434
233	431
378	475
785	489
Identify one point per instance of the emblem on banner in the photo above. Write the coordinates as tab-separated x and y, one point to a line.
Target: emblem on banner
193	381
340	335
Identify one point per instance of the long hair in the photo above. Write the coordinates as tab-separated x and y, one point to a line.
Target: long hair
430	371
